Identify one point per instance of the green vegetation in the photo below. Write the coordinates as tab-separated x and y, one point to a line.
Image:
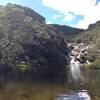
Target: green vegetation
92	37
94	65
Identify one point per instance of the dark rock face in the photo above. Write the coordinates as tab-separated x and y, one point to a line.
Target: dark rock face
51	55
24	37
48	53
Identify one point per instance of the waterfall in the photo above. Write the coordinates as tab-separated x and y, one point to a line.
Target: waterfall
75	69
78	57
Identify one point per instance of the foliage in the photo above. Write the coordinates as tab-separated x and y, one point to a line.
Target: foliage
94	65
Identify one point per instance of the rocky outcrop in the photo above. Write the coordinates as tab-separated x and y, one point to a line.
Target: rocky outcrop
24	37
29	45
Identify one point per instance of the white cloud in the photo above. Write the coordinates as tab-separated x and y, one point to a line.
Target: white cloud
48	22
86	8
68	17
56	16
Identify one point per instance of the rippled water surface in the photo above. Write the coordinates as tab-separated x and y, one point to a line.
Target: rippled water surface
49	90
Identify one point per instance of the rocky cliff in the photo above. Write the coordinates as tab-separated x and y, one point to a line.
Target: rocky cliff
27	43
92	37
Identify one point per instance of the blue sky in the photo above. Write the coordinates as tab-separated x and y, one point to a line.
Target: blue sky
75	13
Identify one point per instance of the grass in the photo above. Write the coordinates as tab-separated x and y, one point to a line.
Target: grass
94	65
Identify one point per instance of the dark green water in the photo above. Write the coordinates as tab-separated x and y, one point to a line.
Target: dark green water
49	90
91	83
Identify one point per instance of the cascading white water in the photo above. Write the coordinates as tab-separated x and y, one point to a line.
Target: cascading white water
75	69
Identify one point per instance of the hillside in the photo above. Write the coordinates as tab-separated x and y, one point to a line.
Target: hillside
92	37
65	31
28	44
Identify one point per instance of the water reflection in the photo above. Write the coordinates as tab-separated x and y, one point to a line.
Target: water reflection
91	83
75	95
49	90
